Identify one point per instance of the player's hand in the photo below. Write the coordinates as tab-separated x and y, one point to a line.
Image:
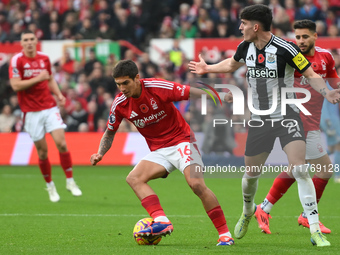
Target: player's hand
228	97
61	100
95	158
44	75
198	67
333	96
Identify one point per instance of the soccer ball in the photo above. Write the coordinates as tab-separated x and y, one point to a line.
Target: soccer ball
140	225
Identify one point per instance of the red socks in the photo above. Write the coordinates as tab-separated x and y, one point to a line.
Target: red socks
217	217
152	206
66	163
45	168
319	185
280	186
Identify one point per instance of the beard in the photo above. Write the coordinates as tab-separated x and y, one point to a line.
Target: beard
308	49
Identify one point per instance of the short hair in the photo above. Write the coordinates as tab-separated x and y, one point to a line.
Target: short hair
258	12
125	68
26	31
306	23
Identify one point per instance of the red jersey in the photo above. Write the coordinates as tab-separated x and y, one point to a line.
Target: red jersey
153	113
323	64
38	97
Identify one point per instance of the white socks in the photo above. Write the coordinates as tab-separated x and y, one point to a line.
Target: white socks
249	187
307	196
161	219
266	206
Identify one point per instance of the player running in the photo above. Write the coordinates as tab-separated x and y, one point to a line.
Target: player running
147	103
271	62
31	76
316	152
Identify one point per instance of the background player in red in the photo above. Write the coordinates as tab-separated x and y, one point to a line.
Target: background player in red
316	153
31	77
147	103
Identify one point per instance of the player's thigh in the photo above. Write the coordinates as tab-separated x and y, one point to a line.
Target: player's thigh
158	163
58	136
259	140
145	171
183	155
315	147
34	125
322	167
53	120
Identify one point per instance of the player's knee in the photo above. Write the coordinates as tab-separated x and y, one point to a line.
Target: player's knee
198	187
300	172
42	154
62	147
132	180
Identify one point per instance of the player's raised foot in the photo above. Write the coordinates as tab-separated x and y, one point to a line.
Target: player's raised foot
73	188
225	240
242	226
262	219
52	193
304	222
319	239
157	229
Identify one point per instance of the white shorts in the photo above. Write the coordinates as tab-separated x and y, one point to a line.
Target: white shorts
37	124
176	157
315	148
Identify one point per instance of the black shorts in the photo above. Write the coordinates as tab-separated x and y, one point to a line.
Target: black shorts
262	139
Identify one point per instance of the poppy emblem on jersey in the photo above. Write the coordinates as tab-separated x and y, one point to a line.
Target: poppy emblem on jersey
35	64
112	119
144	108
208	92
315	66
260	58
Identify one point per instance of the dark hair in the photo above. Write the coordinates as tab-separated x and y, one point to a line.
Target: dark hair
26	31
306	23
125	68
258	12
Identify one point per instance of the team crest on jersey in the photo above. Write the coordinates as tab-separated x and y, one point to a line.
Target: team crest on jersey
112	119
271	58
323	64
42	64
260	58
144	108
153	104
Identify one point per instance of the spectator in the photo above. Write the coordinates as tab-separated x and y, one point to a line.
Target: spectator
4	24
7	120
186	30
53	33
88	67
3	35
166	30
83	127
105	32
37	31
308	11
124	26
86	31
68	64
16	31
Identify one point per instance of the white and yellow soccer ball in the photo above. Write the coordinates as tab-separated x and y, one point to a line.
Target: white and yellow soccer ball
140	225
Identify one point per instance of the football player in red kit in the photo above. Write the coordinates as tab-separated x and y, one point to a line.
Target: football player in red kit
31	77
147	103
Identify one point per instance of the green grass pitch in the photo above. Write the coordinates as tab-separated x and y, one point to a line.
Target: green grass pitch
102	220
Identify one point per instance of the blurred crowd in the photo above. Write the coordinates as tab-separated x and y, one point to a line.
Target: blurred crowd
90	89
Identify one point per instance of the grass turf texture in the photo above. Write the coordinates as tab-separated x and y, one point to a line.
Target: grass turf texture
102	220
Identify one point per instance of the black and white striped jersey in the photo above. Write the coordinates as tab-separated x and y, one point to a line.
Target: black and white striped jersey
270	69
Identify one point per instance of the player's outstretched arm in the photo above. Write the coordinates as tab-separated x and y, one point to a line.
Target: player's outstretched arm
226	66
18	84
317	83
104	146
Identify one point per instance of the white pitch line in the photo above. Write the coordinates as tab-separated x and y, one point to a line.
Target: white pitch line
134	215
